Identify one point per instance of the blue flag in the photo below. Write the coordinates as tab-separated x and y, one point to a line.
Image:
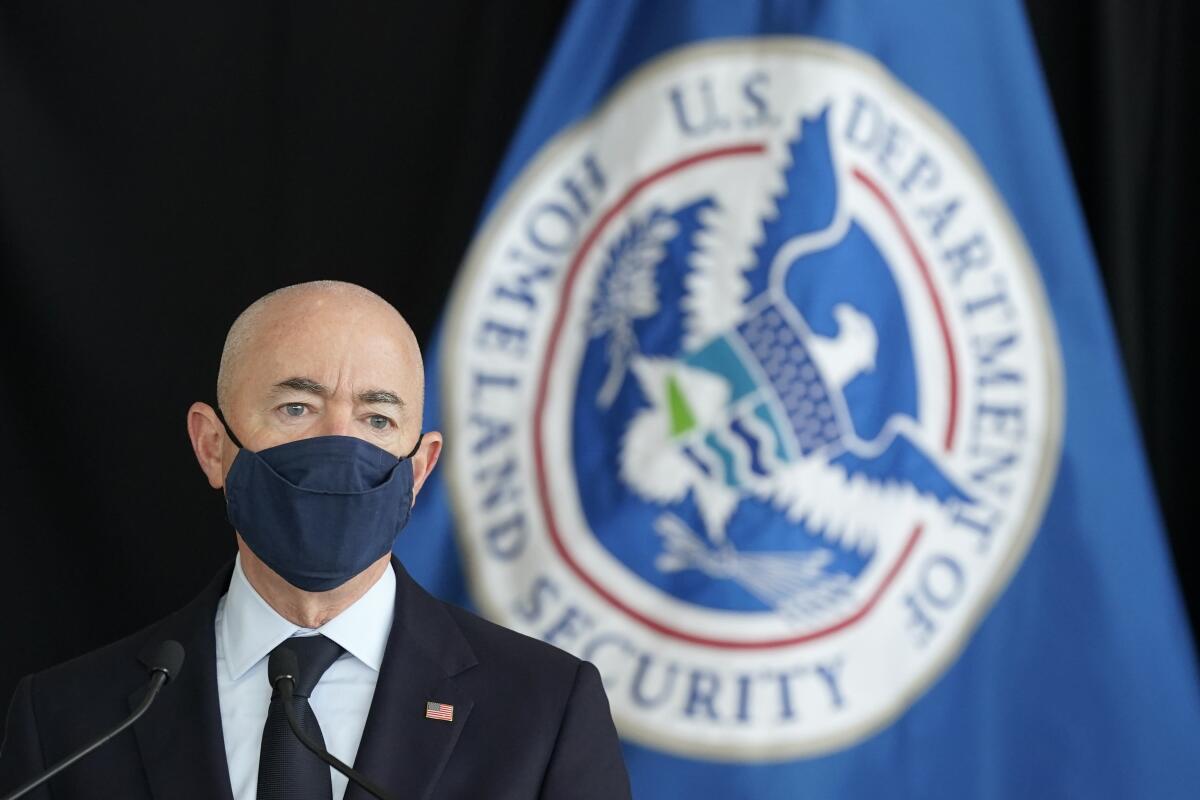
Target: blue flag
779	384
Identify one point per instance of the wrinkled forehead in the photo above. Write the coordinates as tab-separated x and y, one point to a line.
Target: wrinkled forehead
347	349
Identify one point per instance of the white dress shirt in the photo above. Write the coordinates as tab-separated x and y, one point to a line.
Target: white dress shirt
247	630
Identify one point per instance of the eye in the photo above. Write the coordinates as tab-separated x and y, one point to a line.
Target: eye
378	422
294	409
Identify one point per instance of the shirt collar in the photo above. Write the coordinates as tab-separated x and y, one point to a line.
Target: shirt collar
251	629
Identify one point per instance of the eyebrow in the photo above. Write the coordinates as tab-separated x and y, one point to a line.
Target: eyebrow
299	384
374	396
308	385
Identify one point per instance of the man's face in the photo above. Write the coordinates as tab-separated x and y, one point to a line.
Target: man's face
322	365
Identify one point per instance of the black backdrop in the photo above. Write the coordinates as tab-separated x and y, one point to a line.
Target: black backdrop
162	165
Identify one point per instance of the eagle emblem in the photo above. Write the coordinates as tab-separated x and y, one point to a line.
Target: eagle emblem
765	408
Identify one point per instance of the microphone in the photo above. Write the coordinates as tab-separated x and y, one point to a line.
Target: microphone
282	671
164	662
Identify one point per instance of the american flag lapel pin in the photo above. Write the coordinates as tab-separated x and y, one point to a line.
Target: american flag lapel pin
440	711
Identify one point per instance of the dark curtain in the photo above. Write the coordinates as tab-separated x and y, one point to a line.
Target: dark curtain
1121	75
162	165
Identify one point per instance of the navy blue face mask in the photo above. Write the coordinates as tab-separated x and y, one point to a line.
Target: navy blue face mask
319	511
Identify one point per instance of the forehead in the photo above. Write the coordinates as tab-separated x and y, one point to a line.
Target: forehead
338	347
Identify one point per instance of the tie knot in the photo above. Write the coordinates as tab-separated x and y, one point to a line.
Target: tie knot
314	655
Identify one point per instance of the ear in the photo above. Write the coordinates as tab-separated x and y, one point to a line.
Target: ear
425	459
209	442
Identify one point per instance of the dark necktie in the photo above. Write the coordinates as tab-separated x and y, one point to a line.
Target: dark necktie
287	770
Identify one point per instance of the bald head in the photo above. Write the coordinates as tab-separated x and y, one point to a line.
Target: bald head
328	339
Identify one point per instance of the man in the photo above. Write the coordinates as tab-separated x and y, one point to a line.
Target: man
317	446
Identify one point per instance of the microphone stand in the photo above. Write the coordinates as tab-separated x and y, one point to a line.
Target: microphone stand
284	684
157	680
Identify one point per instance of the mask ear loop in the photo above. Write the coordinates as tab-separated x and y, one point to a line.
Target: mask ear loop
416	447
229	430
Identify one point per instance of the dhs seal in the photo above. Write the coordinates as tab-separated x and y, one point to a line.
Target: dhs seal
752	398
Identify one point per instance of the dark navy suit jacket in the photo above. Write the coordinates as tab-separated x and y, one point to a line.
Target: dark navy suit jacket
530	721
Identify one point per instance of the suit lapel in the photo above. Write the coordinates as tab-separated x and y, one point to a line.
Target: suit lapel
401	749
180	737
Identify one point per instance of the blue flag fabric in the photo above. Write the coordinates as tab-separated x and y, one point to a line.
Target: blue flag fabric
780	384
